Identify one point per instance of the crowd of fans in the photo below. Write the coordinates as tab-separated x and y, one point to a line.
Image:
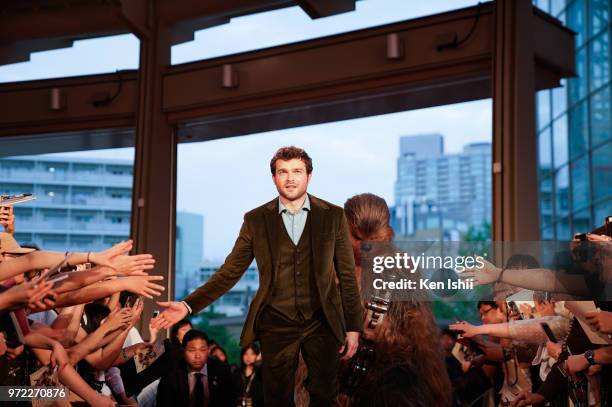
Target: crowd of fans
546	350
69	319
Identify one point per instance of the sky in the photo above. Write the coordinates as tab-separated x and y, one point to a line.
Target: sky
223	179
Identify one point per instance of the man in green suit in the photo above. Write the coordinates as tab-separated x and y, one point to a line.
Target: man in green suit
308	299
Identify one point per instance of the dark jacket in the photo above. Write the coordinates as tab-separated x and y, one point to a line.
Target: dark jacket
173	389
255	390
332	259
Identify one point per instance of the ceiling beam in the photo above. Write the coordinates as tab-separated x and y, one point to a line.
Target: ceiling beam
26	106
95	19
20	51
136	13
325	8
172	11
332	78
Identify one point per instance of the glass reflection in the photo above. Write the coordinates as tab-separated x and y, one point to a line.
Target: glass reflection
599	16
560	142
600	60
576	20
580	183
579	130
562	192
543	108
602	171
601	126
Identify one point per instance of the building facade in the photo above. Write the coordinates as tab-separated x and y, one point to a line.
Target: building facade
84	205
438	195
81	204
574	127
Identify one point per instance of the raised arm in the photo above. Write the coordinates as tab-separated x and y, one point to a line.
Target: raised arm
89	346
529	330
225	278
532	279
227	275
43	259
141	285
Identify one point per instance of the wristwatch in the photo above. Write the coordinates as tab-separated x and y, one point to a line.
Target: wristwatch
590	357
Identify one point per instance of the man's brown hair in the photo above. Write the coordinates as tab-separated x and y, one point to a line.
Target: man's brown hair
290	153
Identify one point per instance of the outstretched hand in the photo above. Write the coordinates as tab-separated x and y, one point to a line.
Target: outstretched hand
174	312
136	265
488	274
106	257
143	285
467	330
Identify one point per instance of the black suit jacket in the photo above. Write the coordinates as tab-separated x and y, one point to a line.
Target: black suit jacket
332	259
173	389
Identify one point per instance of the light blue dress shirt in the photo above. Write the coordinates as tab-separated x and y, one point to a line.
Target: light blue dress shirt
294	222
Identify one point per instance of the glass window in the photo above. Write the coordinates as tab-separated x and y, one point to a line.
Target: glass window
600	16
582	221
548	233
602	171
70	212
562	192
560	142
86	57
559	99
52	194
546	202
600	60
602	210
576	20
544	152
580	183
543	107
52	241
563	229
577	88
543	5
601	126
578	130
455	200
556	6
292	24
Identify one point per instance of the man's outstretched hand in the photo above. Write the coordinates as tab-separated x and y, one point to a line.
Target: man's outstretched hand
173	313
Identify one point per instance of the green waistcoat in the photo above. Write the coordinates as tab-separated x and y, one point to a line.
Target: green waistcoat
294	290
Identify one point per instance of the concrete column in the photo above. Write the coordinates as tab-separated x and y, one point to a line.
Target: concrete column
153	207
515	186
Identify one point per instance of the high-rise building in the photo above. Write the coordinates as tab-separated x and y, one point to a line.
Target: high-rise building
81	204
441	193
575	129
189	250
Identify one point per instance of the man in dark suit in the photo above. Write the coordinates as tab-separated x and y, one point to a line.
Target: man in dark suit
197	381
308	298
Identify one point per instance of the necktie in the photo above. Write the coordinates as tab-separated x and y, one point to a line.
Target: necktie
198	391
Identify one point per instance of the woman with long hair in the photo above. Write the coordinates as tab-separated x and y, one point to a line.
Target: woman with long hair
247	378
407	367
